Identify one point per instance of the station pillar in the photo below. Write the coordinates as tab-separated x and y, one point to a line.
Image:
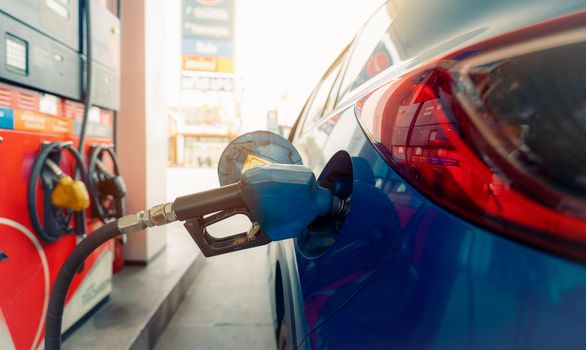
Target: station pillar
142	123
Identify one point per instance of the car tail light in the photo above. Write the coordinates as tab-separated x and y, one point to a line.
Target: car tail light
496	133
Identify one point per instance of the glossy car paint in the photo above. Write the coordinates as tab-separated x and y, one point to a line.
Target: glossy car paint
404	272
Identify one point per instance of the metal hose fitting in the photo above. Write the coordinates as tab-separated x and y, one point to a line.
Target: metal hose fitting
156	216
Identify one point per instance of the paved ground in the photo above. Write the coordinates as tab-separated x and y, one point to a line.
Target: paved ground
227	307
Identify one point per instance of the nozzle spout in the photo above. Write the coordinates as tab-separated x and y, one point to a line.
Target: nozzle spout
207	202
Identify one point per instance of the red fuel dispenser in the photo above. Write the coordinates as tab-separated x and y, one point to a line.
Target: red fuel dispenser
53	63
31	262
56	58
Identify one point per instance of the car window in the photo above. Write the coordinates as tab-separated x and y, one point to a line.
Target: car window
373	51
320	101
332	97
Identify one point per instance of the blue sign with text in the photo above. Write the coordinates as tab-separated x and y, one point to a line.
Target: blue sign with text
205	47
208	19
6	118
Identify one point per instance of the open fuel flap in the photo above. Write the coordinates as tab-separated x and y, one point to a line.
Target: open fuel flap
254	149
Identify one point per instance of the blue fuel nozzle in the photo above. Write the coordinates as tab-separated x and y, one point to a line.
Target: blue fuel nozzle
280	200
284	199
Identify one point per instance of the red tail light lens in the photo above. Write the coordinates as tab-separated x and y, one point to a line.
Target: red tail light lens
496	134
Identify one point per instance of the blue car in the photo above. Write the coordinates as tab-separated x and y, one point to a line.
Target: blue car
458	130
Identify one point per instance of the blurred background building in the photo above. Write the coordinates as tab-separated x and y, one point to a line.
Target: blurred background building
237	66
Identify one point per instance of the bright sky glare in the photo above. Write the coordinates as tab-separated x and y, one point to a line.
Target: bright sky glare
282	49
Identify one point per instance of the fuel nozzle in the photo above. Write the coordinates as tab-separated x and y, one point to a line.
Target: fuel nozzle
280	201
285	199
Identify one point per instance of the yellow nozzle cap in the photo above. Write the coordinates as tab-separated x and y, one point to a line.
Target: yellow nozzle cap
70	194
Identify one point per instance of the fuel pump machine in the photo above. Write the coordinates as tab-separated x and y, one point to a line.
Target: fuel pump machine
59	82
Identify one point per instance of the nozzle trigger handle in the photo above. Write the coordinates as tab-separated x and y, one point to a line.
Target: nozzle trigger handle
211	246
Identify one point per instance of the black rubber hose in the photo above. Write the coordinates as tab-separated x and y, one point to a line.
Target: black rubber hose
87	97
32	191
34	175
65	277
100	211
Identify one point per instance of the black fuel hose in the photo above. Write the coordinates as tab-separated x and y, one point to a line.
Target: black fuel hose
194	205
65	277
87	97
98	208
36	173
